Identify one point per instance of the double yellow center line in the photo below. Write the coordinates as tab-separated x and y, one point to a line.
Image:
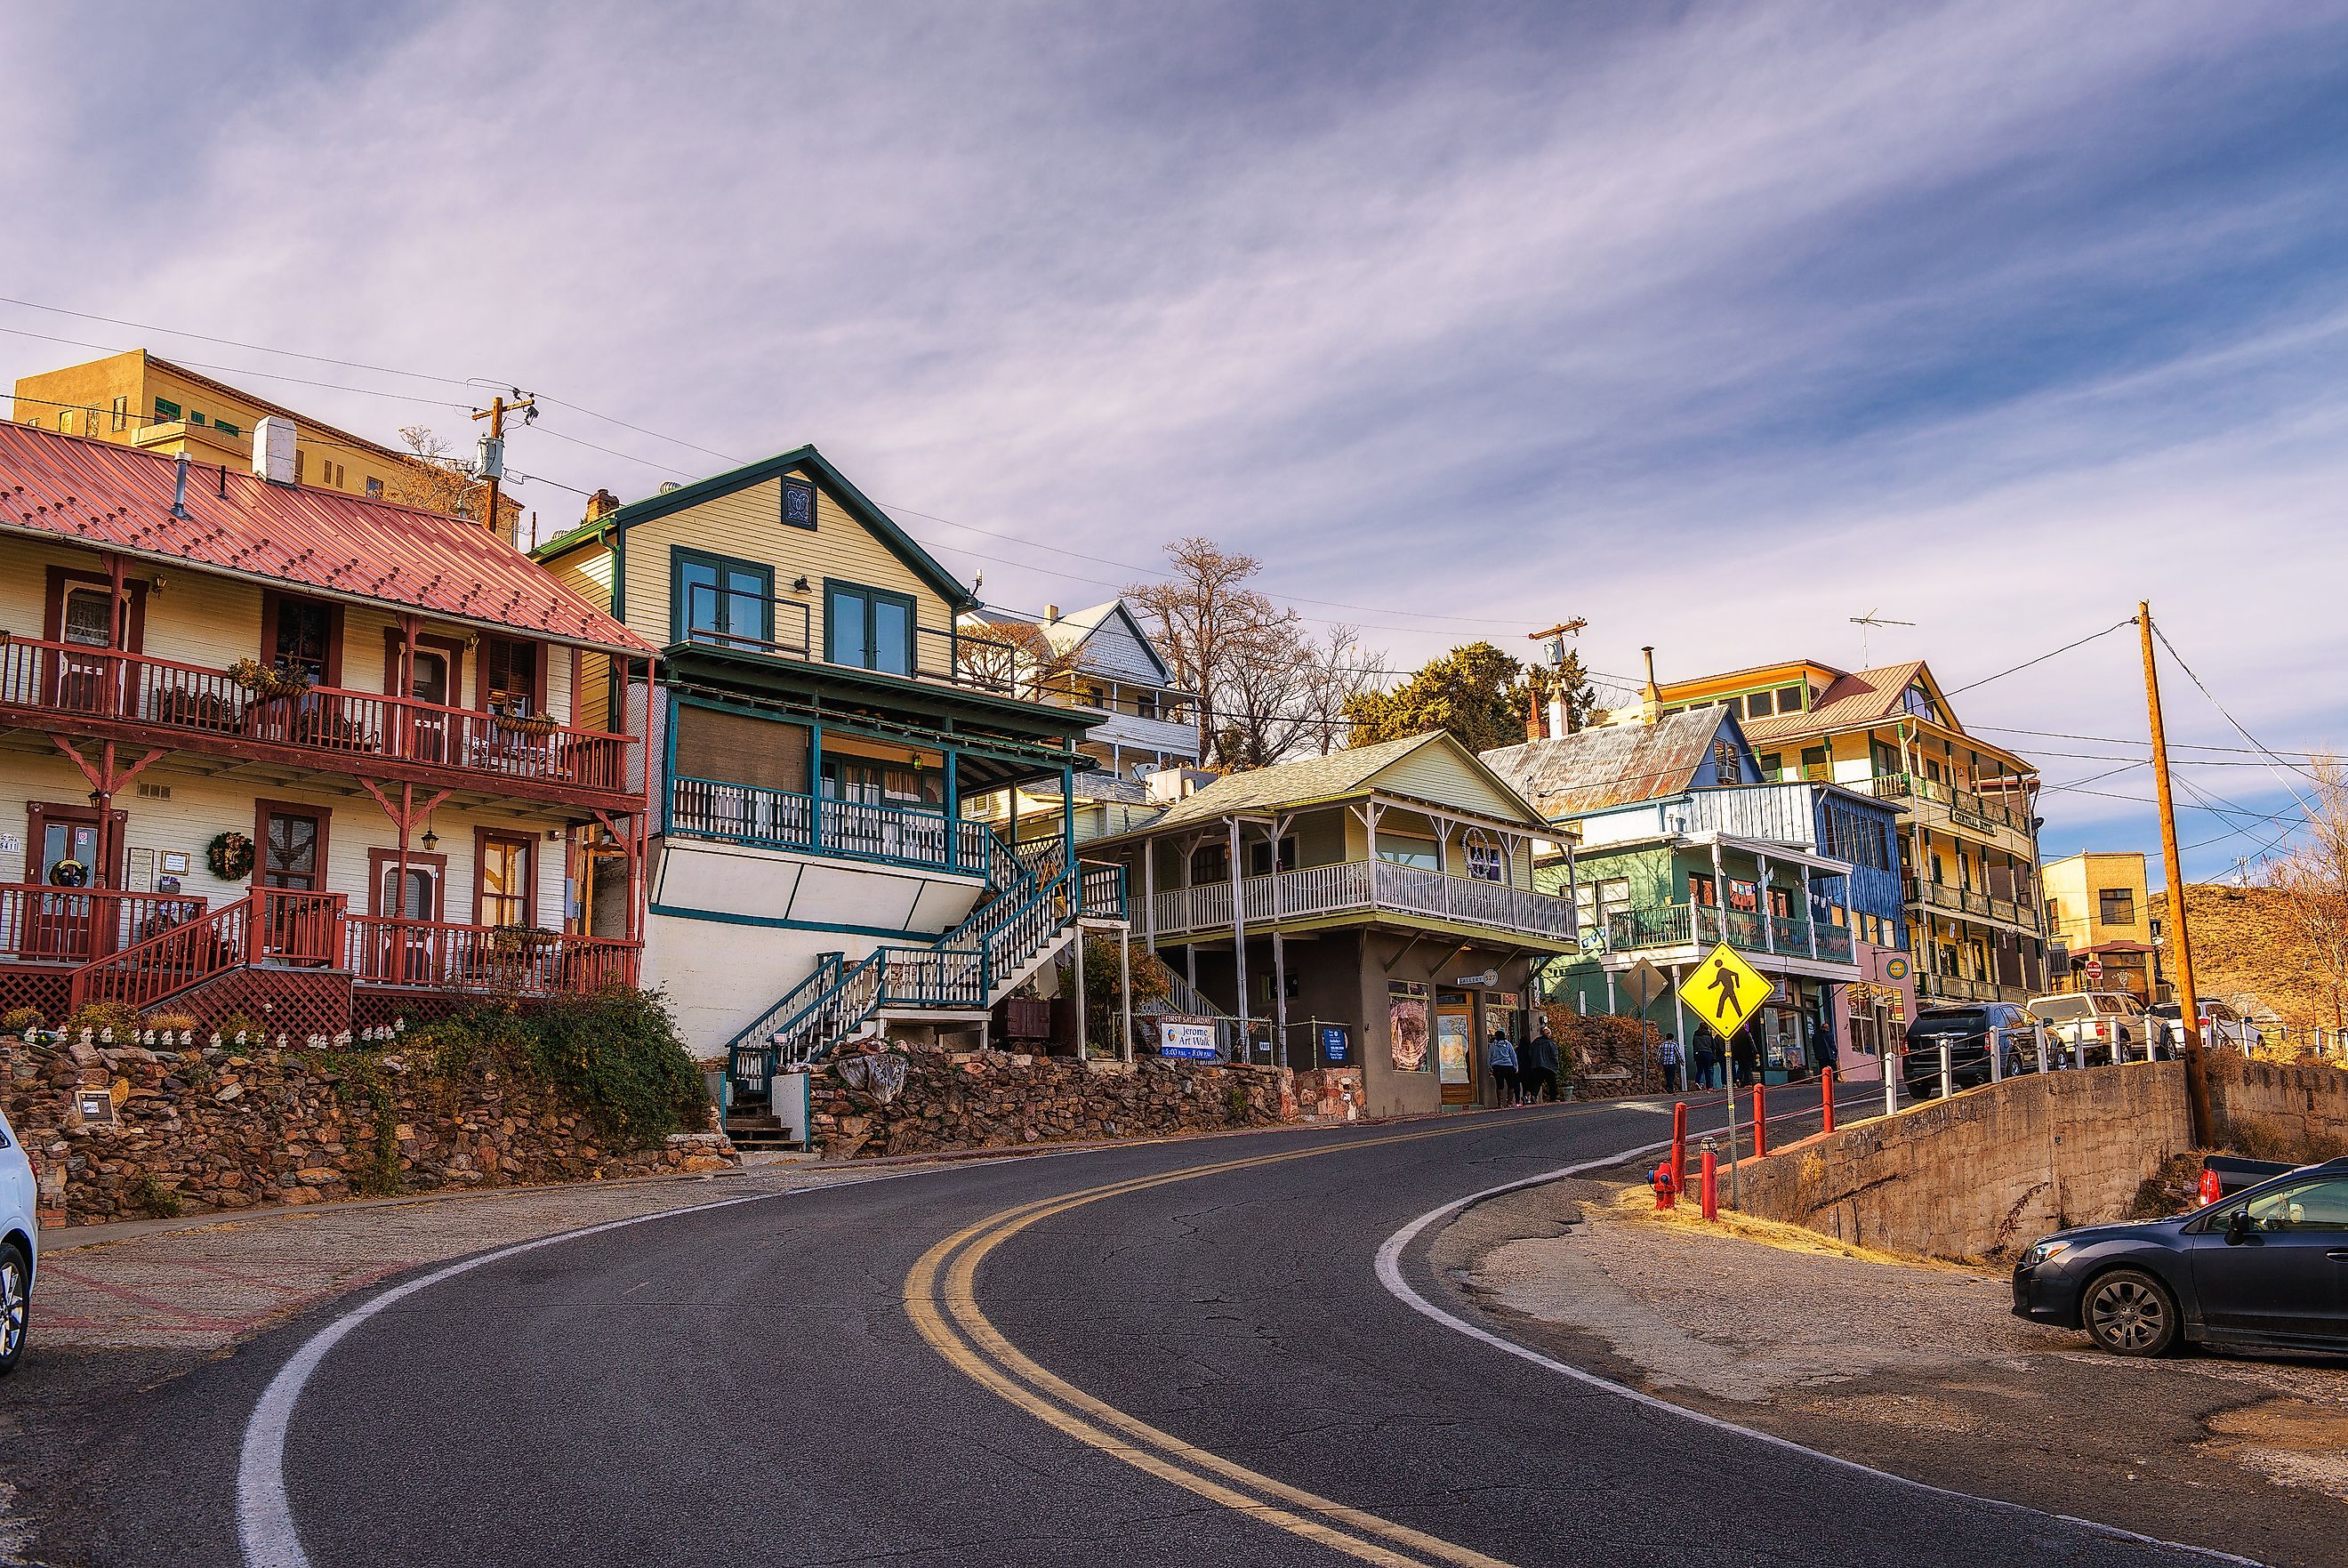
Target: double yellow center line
941	1295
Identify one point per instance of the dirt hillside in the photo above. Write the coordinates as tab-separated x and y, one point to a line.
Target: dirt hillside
2243	940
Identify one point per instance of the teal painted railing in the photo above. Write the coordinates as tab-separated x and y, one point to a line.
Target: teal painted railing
786	820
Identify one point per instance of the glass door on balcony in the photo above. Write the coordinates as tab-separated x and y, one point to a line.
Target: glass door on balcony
86	619
60	924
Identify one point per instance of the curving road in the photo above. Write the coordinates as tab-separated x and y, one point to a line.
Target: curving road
1159	1354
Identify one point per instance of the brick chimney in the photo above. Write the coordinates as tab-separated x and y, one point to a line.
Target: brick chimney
602	503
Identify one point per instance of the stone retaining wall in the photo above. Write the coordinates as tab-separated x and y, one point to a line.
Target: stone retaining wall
999	1100
215	1129
1986	1173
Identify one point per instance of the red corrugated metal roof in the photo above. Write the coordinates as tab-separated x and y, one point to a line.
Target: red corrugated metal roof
110	497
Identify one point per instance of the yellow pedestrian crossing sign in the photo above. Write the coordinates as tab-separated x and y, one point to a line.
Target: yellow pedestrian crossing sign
1724	991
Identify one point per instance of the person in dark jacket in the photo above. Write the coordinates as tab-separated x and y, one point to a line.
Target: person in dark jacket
1539	1065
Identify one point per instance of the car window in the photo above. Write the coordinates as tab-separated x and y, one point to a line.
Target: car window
2062	1009
2317	1205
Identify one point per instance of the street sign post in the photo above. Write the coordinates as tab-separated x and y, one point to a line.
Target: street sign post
2093	970
1725	992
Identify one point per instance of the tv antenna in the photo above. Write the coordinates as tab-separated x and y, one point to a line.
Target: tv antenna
1866	624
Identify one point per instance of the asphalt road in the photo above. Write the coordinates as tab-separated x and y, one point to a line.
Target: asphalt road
1177	1368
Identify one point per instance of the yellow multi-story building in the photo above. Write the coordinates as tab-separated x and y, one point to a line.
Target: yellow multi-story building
2098	909
138	400
1969	842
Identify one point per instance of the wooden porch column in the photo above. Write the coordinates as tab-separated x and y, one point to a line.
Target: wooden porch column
1150	893
1124	989
1719	898
1239	931
1810	914
954	814
410	627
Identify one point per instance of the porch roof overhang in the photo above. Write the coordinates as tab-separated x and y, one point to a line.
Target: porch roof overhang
1348	800
1763	849
1000	742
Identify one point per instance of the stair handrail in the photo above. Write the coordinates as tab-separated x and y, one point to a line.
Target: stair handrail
186	954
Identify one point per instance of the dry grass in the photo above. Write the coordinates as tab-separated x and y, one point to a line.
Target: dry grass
1638	1204
2244	940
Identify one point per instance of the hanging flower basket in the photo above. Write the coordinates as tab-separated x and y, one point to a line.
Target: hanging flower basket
68	873
526	723
230	857
265	681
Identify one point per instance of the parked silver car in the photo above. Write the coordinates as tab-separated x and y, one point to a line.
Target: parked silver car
19	1245
2107	1026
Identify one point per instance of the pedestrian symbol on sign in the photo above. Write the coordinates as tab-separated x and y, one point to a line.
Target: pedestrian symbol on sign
1724	991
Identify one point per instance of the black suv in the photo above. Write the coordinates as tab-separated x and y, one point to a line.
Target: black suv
1969	1033
2267	1265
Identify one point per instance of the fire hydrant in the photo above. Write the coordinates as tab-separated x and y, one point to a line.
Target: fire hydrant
1666	1184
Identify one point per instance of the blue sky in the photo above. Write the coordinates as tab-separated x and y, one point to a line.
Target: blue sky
1715	325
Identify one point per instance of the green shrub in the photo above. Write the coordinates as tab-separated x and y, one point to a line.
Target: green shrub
152	1199
119	1017
616	1054
22	1020
227	1024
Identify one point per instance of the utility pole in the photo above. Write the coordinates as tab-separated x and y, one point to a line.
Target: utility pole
2197	1073
493	450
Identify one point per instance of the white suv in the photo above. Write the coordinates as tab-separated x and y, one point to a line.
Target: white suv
18	1245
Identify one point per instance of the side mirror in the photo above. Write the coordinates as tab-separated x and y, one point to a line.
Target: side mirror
2237	1225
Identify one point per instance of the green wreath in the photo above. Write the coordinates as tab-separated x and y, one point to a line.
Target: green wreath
229	856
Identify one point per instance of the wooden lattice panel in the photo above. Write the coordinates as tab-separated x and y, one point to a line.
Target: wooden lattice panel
297	1003
47	988
380	1006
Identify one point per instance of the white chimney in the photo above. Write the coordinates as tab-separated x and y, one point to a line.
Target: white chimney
272	450
1051	611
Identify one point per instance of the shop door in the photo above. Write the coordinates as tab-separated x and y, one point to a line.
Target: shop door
1455	1047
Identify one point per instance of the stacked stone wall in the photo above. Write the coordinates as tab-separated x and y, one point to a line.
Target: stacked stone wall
1000	1099
221	1130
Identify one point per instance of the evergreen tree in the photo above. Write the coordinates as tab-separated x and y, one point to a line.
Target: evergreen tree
1477	693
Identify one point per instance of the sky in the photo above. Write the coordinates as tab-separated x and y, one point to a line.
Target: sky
1715	325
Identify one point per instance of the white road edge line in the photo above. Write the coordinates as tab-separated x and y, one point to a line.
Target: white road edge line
1390	1274
264	1514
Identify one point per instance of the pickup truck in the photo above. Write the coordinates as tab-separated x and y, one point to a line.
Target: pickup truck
2108	1025
2220	1025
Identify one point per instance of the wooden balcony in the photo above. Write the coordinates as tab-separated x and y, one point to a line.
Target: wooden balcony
1698	928
185	708
44	924
766	819
1372	889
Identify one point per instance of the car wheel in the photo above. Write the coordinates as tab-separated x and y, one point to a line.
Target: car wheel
16	1303
2129	1312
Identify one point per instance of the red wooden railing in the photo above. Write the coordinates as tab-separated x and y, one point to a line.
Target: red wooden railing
41	924
445	955
95	683
284	926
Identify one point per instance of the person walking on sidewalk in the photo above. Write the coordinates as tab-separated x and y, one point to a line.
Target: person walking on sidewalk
1537	1067
1502	1054
1668	1054
1706	1057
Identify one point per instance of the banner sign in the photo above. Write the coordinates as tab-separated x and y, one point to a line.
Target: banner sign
1336	1044
1188	1038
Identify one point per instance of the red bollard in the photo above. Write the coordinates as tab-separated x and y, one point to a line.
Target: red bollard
1825	1088
1760	1121
2211	1191
1679	1143
1665	1182
1711	1185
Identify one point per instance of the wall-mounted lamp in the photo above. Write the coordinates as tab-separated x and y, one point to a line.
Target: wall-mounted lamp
157	584
798	585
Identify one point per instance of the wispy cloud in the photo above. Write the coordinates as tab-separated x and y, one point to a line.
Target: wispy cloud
1717	327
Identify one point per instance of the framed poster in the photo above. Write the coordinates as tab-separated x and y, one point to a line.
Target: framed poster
1406	1025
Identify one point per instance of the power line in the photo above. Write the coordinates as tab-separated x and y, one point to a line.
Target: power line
239	370
2107	631
231	343
2229	718
2125	740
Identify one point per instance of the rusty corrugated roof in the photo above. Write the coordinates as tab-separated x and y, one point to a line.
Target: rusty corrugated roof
110	497
1612	765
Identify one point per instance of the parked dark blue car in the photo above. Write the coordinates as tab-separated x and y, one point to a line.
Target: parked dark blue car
2267	1265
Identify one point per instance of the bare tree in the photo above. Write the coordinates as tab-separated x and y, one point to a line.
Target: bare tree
432	479
2315	876
1340	667
1219	635
1015	655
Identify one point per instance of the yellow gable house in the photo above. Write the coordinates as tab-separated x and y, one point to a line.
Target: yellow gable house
826	730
